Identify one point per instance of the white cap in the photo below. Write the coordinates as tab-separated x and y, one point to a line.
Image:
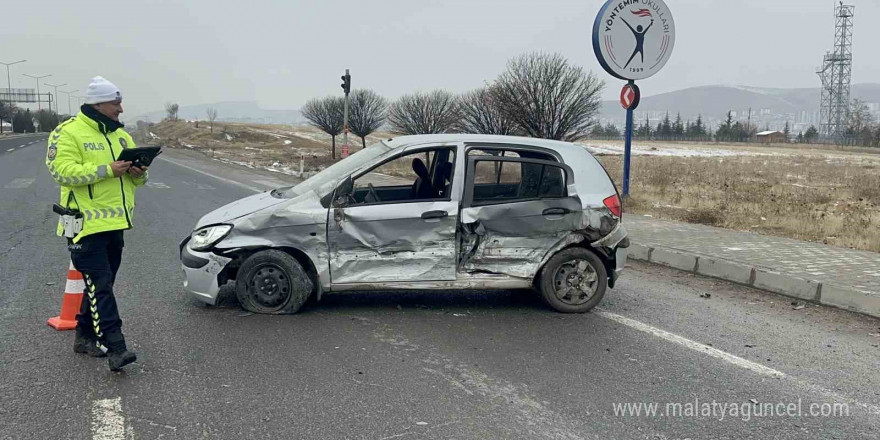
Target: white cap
101	90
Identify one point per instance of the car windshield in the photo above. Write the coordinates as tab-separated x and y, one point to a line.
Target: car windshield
330	175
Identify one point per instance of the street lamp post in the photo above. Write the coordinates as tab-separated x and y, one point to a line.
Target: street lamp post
56	95
8	80
38	78
68	92
8	85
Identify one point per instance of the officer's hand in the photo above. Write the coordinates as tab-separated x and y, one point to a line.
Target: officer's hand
120	167
137	172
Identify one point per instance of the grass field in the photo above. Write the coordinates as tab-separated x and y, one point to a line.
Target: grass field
833	200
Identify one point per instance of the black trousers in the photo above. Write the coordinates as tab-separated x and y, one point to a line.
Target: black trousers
98	257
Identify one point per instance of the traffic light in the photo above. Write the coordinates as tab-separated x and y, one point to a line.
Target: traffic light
346	83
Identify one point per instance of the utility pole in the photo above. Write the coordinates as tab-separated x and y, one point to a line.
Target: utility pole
346	86
56	95
68	100
38	78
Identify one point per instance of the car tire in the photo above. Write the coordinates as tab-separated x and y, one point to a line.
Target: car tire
272	282
573	281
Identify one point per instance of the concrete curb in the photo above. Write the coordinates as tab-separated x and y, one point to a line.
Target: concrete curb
867	303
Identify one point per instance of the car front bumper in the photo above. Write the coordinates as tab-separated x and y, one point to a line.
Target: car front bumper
202	270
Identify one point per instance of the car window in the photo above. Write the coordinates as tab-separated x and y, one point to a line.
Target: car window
324	182
498	181
528	154
421	175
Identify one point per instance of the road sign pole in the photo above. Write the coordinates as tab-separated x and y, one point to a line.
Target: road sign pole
646	32
629	99
627	149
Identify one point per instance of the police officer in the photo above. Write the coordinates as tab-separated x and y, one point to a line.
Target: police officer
82	159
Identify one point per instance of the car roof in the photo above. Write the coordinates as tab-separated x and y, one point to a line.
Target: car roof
406	141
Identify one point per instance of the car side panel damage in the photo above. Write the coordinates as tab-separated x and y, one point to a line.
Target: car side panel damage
492	241
298	224
387	243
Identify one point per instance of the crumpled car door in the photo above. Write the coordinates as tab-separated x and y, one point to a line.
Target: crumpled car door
513	235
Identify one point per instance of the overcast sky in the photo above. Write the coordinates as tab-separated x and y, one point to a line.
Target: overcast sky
283	53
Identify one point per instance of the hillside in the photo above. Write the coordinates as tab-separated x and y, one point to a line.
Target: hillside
234	111
713	102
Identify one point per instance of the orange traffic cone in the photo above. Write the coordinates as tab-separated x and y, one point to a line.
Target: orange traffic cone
70	305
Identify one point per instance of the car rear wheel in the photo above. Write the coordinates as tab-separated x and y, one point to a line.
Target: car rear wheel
272	282
573	281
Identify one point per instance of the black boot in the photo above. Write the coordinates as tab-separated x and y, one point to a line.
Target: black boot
87	344
118	356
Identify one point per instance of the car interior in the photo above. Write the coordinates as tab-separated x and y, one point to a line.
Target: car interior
497	181
429	173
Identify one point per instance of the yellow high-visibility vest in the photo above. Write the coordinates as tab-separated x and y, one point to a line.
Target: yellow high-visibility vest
79	154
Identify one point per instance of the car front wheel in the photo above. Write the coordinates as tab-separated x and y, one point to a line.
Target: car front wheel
573	281
272	282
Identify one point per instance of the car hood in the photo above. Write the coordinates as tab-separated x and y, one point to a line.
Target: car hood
239	208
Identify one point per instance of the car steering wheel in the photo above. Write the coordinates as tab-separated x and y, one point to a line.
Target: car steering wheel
373	192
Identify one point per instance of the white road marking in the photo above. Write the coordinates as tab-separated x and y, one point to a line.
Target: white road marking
252	188
270	183
11	149
157	185
19	183
21	146
733	359
108	422
696	346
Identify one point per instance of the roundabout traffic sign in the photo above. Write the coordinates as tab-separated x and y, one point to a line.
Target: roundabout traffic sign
633	39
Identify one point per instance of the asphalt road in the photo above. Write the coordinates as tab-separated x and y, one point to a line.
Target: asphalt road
413	365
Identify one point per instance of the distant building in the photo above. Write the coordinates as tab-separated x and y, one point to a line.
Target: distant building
771	137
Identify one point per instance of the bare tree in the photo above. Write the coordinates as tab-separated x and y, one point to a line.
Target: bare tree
480	114
546	97
47	120
212	116
368	112
327	115
171	111
425	113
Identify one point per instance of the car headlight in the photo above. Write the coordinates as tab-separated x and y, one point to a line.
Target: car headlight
205	238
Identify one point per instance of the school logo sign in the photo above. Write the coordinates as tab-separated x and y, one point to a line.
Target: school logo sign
633	39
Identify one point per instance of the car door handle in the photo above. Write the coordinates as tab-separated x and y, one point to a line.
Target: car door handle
434	215
556	211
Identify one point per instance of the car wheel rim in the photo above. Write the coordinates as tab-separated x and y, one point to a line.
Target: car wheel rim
269	286
575	282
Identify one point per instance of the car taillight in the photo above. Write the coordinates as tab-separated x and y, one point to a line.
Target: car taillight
613	205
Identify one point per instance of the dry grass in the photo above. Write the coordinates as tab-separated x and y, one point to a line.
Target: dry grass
255	145
832	200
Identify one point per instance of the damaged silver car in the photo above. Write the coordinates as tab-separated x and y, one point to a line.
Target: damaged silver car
435	212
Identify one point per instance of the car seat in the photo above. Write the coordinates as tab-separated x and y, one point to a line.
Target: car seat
421	188
442	179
